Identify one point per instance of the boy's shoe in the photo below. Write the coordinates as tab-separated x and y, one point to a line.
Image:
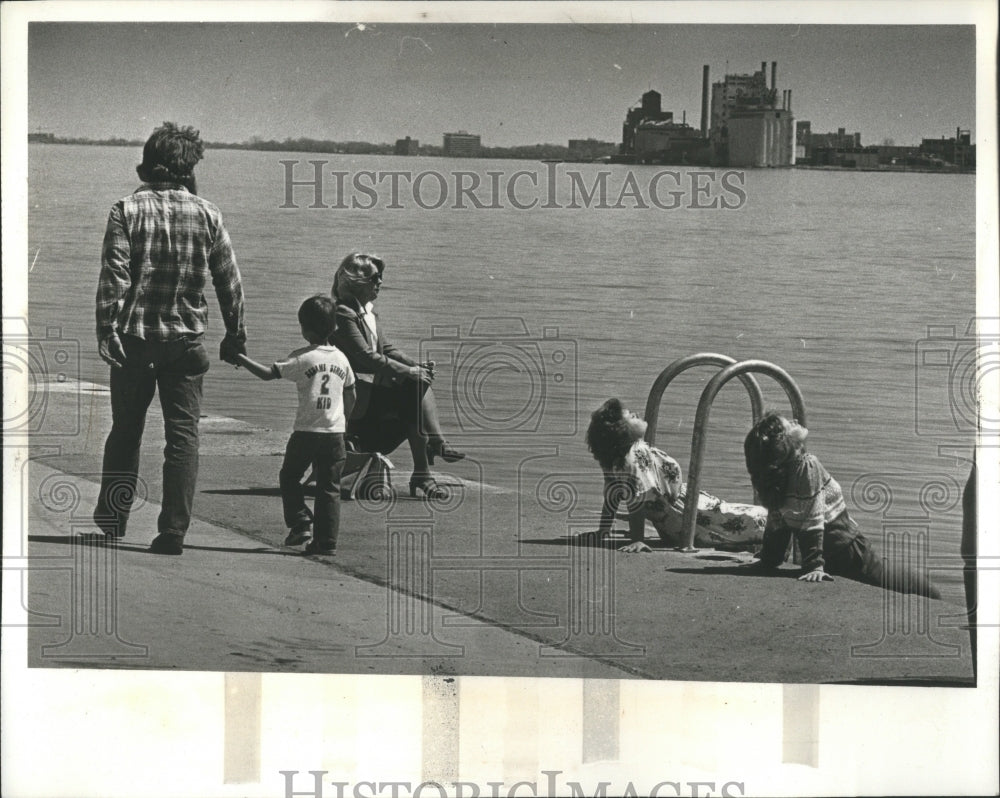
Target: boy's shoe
315	548
165	543
298	535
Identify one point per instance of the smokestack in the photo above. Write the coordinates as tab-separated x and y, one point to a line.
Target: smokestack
789	99
704	102
763	72
774	74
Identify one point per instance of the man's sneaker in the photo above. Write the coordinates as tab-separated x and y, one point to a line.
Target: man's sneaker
165	543
313	548
298	535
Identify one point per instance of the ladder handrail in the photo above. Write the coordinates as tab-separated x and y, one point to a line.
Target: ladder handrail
683	364
701	421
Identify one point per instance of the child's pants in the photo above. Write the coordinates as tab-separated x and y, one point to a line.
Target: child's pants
855	557
325	452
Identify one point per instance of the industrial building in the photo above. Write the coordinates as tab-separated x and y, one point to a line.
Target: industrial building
407	146
803	133
591	149
748	125
462	145
816	148
650	134
742	124
958	151
844	150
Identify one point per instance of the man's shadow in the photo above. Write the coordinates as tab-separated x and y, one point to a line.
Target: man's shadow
308	491
99	540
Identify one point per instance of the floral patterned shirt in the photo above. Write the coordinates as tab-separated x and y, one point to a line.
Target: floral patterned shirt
651	471
650	481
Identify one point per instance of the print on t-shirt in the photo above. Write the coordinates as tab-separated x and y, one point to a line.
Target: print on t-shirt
320	373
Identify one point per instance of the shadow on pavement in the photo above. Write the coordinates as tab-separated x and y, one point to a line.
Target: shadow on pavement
100	540
737	570
253	491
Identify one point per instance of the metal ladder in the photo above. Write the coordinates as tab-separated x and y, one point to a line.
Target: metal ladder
728	369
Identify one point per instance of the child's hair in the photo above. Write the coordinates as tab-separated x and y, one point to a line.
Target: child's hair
170	155
352	269
770	454
317	314
608	436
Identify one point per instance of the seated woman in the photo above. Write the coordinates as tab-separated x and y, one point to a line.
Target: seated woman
395	402
805	501
649	482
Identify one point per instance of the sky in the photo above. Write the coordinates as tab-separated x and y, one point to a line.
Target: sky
511	84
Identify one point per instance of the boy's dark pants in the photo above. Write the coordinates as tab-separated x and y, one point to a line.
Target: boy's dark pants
176	369
326	453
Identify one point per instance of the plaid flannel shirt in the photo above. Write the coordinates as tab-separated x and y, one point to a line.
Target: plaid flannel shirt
160	246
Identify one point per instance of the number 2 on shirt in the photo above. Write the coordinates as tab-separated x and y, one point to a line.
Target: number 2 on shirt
323	401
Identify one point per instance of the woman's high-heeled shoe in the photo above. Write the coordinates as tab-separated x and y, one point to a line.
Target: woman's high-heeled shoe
428	486
436	447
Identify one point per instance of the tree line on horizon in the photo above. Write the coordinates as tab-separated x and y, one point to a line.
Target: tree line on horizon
525	151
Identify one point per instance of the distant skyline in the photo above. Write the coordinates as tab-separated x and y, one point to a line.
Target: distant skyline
511	84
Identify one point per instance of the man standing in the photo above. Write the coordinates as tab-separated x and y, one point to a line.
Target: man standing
161	246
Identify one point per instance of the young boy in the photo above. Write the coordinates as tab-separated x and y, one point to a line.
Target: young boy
326	397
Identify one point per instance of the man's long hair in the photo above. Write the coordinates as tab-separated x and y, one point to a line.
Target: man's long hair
170	155
770	454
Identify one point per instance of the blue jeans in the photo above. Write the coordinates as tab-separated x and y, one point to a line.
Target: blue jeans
176	368
326	453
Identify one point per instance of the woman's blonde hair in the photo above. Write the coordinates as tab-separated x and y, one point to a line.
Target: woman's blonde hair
352	269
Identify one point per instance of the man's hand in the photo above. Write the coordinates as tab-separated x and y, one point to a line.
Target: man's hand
111	351
230	348
636	547
422	374
817	575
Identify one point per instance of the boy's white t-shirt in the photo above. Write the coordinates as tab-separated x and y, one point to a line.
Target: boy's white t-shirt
320	373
